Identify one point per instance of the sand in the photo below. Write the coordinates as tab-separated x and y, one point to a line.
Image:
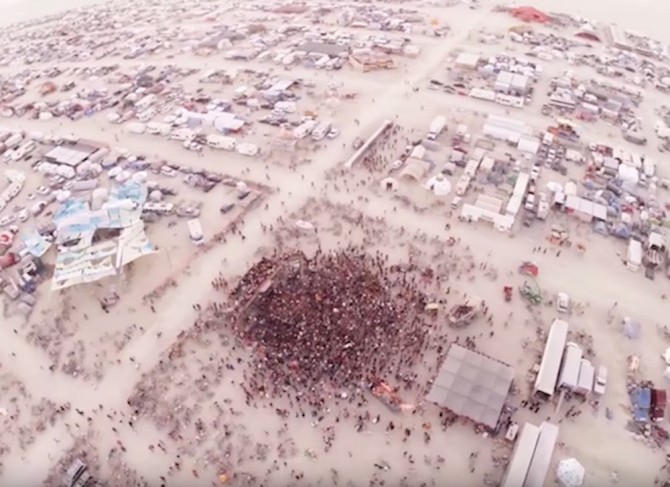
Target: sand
131	344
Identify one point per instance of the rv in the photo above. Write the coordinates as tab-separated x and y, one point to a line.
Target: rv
181	134
221	142
436	127
157	128
158	208
304	129
13	141
321	130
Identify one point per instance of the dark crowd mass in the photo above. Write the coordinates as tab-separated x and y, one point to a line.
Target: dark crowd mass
335	321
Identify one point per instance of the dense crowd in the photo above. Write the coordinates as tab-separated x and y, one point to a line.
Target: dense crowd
341	320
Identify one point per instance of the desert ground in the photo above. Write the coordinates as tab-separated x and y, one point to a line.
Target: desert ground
155	390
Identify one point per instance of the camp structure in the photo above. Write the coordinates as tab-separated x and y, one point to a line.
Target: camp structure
517	469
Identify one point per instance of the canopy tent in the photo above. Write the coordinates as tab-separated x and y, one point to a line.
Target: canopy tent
631	329
570	473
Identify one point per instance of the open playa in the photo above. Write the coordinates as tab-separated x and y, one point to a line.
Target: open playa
407	243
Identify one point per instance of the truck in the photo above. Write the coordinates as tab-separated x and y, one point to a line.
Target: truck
600	383
436	127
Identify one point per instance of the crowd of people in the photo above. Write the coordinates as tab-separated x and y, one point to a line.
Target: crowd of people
341	319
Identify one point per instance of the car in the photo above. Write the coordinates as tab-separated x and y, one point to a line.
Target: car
226	208
333	133
562	303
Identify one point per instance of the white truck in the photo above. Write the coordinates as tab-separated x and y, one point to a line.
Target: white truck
436	127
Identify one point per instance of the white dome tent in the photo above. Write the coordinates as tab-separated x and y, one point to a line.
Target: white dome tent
439	185
570	473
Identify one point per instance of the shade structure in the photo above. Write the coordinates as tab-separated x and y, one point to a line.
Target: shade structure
472	385
570	473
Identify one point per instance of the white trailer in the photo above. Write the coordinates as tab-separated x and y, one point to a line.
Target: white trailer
436	127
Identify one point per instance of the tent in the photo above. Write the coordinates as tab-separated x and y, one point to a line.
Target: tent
570	473
439	185
530	14
666	356
631	329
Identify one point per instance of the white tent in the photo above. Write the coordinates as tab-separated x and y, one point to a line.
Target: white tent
570	473
439	185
